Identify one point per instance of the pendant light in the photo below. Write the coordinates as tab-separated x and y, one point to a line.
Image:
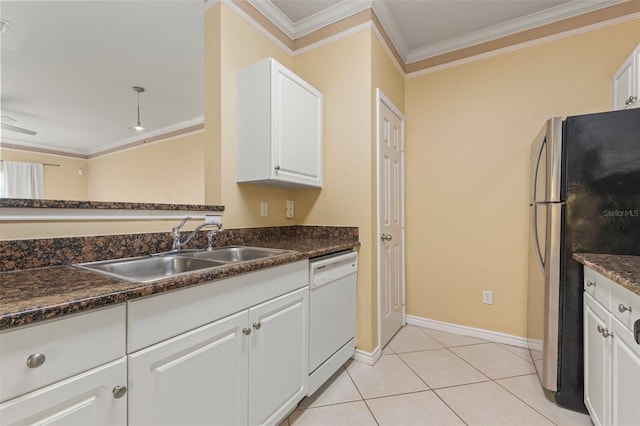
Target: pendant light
138	127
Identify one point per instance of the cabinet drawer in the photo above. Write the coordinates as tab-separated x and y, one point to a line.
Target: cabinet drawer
70	345
625	305
598	286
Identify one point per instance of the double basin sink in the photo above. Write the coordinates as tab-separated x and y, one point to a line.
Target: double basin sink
165	265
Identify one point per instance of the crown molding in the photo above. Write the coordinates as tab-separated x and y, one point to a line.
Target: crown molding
538	19
328	16
231	5
85	153
391	27
332	38
275	15
312	23
524	45
147	135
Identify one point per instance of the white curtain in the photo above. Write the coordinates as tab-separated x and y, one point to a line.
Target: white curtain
22	180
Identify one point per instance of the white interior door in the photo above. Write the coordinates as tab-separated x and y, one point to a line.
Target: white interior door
390	124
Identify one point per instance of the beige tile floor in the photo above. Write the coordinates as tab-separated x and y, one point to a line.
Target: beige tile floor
427	377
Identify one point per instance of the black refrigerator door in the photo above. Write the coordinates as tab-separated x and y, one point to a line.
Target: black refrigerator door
601	184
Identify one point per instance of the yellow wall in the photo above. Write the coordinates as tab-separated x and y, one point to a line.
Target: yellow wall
167	171
468	133
60	183
342	72
242	45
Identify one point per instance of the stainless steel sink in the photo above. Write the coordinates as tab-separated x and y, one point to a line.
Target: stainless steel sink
147	269
164	265
234	254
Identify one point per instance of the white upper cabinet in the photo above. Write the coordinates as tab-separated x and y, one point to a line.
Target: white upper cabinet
279	118
625	84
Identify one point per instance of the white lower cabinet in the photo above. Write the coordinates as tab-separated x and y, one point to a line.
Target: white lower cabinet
278	357
597	361
68	371
90	398
625	377
197	378
611	355
247	368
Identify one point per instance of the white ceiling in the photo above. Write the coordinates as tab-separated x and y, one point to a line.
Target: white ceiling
68	67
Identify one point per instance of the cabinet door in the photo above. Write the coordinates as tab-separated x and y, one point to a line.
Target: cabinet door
297	129
624	84
625	376
596	361
197	378
278	357
83	400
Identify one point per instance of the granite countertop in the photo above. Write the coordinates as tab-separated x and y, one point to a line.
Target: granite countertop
624	270
31	295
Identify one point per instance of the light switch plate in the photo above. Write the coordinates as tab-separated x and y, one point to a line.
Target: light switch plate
264	209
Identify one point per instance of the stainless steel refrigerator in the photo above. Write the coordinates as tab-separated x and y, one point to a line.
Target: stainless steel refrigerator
585	198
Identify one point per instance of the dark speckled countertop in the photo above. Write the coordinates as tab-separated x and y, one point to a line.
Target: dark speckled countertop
624	270
31	295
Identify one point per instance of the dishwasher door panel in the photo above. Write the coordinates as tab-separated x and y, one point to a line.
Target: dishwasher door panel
332	319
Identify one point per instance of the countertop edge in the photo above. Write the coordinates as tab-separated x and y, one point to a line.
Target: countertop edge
132	291
624	270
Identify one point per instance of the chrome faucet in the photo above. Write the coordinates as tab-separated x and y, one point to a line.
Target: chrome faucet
175	233
177	244
212	234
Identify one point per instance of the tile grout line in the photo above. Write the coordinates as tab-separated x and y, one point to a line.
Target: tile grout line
433	390
361	396
523	401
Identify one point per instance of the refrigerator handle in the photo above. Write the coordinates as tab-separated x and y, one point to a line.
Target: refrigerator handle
534	223
534	183
536	167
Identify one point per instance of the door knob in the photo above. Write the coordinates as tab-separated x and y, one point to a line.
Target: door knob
387	237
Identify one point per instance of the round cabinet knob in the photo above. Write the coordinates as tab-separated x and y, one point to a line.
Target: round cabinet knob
119	391
623	308
257	325
246	331
604	331
631	100
277	168
35	360
591	283
386	237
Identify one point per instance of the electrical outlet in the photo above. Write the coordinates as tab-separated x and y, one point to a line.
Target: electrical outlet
264	209
289	211
215	219
487	297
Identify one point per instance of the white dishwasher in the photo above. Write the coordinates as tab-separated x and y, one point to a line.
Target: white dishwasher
332	314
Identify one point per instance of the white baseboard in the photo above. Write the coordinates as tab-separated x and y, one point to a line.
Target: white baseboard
369	358
493	336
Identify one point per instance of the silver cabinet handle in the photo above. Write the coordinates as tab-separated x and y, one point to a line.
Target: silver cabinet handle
623	308
591	283
119	391
257	325
246	331
386	237
35	360
631	100
604	331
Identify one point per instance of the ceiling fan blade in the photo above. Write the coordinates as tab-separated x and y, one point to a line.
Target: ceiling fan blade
18	129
